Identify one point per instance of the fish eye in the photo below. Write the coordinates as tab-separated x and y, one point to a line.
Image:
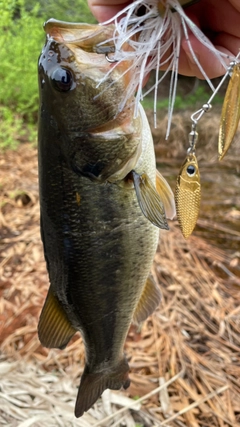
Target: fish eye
191	170
62	79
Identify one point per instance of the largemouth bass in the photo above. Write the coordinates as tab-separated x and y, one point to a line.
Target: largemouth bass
99	198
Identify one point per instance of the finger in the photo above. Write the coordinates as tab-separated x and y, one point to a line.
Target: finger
236	4
228	42
217	16
104	10
209	62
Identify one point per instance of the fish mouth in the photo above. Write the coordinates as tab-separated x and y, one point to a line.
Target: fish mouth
89	37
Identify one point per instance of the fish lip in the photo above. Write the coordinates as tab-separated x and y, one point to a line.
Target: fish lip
53	28
85	36
52	22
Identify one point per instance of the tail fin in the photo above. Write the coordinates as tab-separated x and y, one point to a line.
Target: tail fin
92	385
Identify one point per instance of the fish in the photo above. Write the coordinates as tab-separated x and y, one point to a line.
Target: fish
188	195
230	114
102	203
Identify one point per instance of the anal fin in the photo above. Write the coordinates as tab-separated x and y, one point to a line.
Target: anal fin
54	328
149	300
149	200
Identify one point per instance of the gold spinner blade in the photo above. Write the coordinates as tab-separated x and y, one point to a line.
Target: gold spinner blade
188	195
230	113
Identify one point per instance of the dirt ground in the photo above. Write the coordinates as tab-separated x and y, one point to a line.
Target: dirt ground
185	359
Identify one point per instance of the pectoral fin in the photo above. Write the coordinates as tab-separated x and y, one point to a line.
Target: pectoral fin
167	196
149	300
54	328
149	200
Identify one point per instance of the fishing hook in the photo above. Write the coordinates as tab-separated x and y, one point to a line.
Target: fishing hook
111	60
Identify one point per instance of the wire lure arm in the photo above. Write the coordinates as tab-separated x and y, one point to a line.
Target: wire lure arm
197	115
188	185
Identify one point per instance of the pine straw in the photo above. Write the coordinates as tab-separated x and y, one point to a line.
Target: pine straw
185	359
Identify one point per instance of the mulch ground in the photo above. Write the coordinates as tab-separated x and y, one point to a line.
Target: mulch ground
184	360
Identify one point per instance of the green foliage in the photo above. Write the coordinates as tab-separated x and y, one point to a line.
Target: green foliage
21	41
13	129
21	38
193	101
64	10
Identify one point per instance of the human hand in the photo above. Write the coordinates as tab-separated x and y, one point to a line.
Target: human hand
218	20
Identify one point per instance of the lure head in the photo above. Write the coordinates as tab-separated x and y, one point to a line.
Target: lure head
189	173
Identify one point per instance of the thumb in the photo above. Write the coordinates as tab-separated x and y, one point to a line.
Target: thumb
106	9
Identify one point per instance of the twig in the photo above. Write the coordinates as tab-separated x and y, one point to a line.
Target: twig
145	397
194	404
209	224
